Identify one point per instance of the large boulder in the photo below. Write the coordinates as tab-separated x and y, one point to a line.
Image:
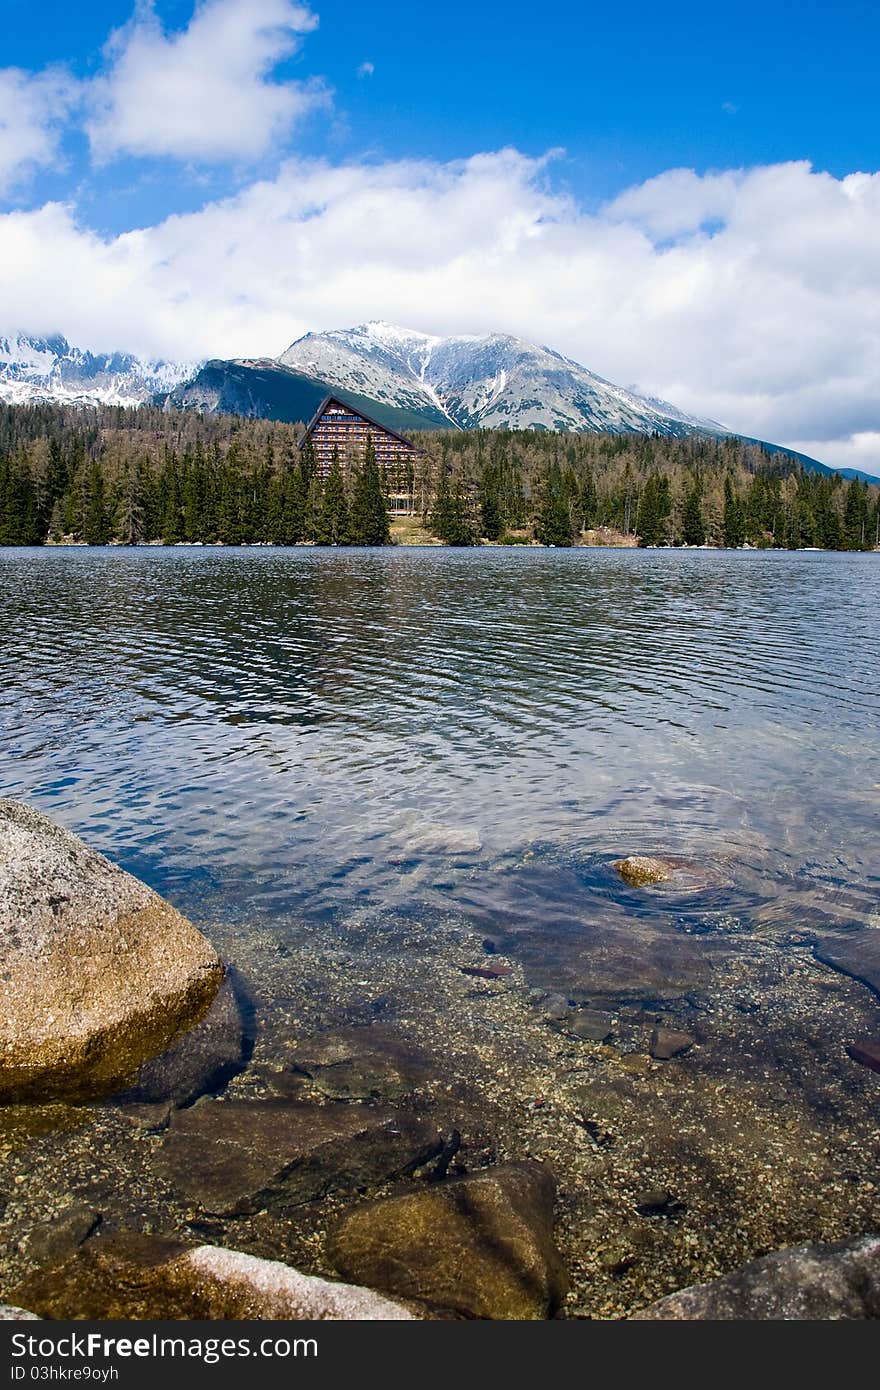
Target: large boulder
481	1246
98	972
234	1157
803	1283
134	1276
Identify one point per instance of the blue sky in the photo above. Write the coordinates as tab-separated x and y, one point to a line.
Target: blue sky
668	193
626	95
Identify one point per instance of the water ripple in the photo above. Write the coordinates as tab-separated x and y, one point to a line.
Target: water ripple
286	722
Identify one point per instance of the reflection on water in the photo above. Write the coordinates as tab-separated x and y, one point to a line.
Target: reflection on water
311	731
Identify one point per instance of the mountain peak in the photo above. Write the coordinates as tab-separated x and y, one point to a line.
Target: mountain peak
493	380
47	369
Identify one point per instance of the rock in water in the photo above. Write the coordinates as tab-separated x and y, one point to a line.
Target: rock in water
666	1043
133	1276
640	870
805	1282
236	1157
99	973
203	1060
866	1053
480	1245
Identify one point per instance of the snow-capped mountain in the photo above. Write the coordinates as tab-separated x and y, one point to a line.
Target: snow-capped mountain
492	382
37	370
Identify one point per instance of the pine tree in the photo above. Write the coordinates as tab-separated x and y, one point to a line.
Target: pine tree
553	524
450	518
130	509
734	523
18	509
369	510
588	501
693	527
96	527
333	522
171	518
652	511
855	516
491	515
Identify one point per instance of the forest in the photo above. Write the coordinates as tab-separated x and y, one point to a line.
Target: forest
115	476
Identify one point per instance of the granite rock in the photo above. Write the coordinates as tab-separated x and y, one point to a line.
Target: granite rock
98	972
802	1283
481	1246
237	1157
149	1277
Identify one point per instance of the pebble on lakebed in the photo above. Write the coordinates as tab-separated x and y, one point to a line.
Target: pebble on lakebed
100	973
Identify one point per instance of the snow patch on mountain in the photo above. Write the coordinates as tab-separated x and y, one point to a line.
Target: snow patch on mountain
48	370
494	381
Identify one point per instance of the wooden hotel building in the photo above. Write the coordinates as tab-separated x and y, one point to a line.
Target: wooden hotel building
338	425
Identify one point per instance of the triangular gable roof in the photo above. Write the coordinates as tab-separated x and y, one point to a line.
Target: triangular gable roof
355	410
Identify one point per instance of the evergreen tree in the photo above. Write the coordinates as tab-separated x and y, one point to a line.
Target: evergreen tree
653	511
369	510
588	501
553	524
18	509
333	523
734	523
96	527
693	527
130	511
489	496
855	516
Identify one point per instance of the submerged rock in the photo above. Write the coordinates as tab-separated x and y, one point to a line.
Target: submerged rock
481	1245
590	1025
667	1043
237	1157
99	972
203	1060
866	1052
640	870
855	953
805	1282
133	1276
432	837
54	1239
352	1064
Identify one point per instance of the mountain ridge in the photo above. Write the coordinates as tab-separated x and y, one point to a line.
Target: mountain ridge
406	379
40	370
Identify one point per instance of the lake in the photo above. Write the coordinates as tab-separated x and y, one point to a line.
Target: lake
363	772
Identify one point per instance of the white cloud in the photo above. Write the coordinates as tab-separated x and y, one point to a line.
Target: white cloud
366	70
752	296
206	92
33	110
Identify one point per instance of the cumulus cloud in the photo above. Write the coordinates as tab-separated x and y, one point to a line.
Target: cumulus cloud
751	296
205	92
33	110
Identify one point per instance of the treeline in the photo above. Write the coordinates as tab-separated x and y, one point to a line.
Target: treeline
135	476
560	489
